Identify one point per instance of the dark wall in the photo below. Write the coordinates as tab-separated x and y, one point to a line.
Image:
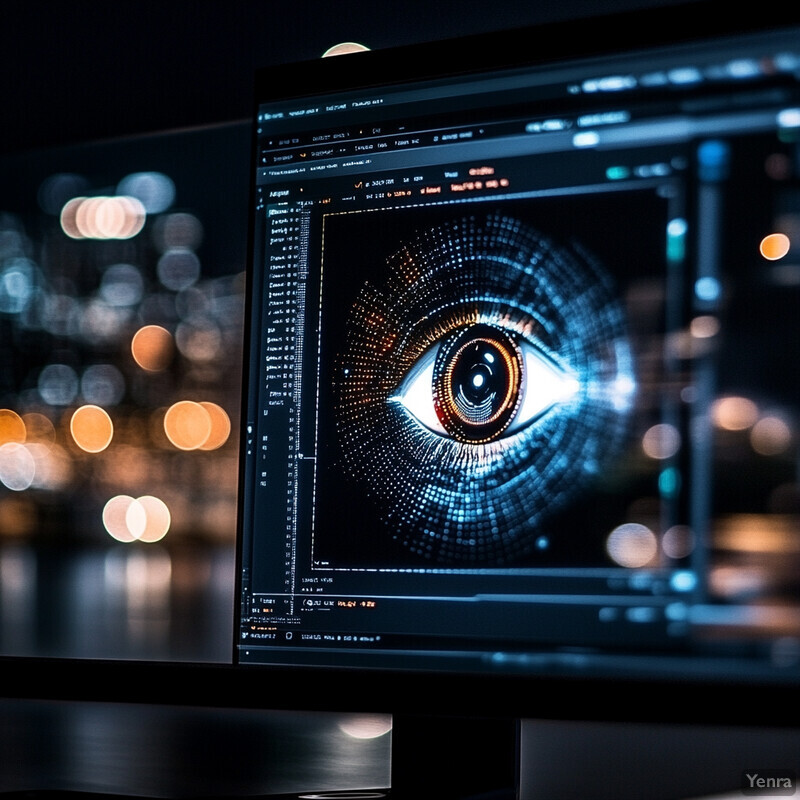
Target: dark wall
83	71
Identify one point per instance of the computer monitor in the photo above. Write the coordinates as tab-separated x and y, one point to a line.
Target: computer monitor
521	399
519	422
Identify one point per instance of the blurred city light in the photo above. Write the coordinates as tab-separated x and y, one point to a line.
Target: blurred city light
734	413
775	246
661	441
632	545
103	217
154	190
91	428
152	348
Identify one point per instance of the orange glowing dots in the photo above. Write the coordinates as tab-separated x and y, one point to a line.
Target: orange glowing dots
220	426
152	348
774	246
12	427
187	425
143	519
91	428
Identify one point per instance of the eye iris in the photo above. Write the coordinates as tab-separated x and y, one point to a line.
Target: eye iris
476	383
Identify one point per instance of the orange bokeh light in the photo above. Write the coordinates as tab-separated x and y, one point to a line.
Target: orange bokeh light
774	246
12	427
91	428
152	523
220	426
152	347
187	425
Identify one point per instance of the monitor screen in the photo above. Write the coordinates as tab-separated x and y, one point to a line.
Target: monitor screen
521	392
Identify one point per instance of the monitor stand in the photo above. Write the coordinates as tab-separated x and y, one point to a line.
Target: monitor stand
454	758
444	758
629	761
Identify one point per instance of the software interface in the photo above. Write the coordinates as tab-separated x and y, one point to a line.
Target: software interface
521	363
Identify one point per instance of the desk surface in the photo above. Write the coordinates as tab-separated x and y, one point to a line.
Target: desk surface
186	752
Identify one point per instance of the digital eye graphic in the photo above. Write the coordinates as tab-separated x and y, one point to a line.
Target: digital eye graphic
482	386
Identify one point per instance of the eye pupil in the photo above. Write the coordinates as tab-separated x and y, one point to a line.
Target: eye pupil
476	383
479	379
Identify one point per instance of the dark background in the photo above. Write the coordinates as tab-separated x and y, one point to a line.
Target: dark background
81	71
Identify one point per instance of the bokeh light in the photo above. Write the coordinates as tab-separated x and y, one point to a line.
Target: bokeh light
632	545
178	269
177	231
118	217
56	190
12	427
114	518
53	467
343	48
199	340
187	424
734	413
154	190
220	426
91	428
148	519
38	427
144	519
771	436
122	285
58	384
661	441
704	327
17	466
366	726
102	385
678	541
152	348
775	246
17	285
